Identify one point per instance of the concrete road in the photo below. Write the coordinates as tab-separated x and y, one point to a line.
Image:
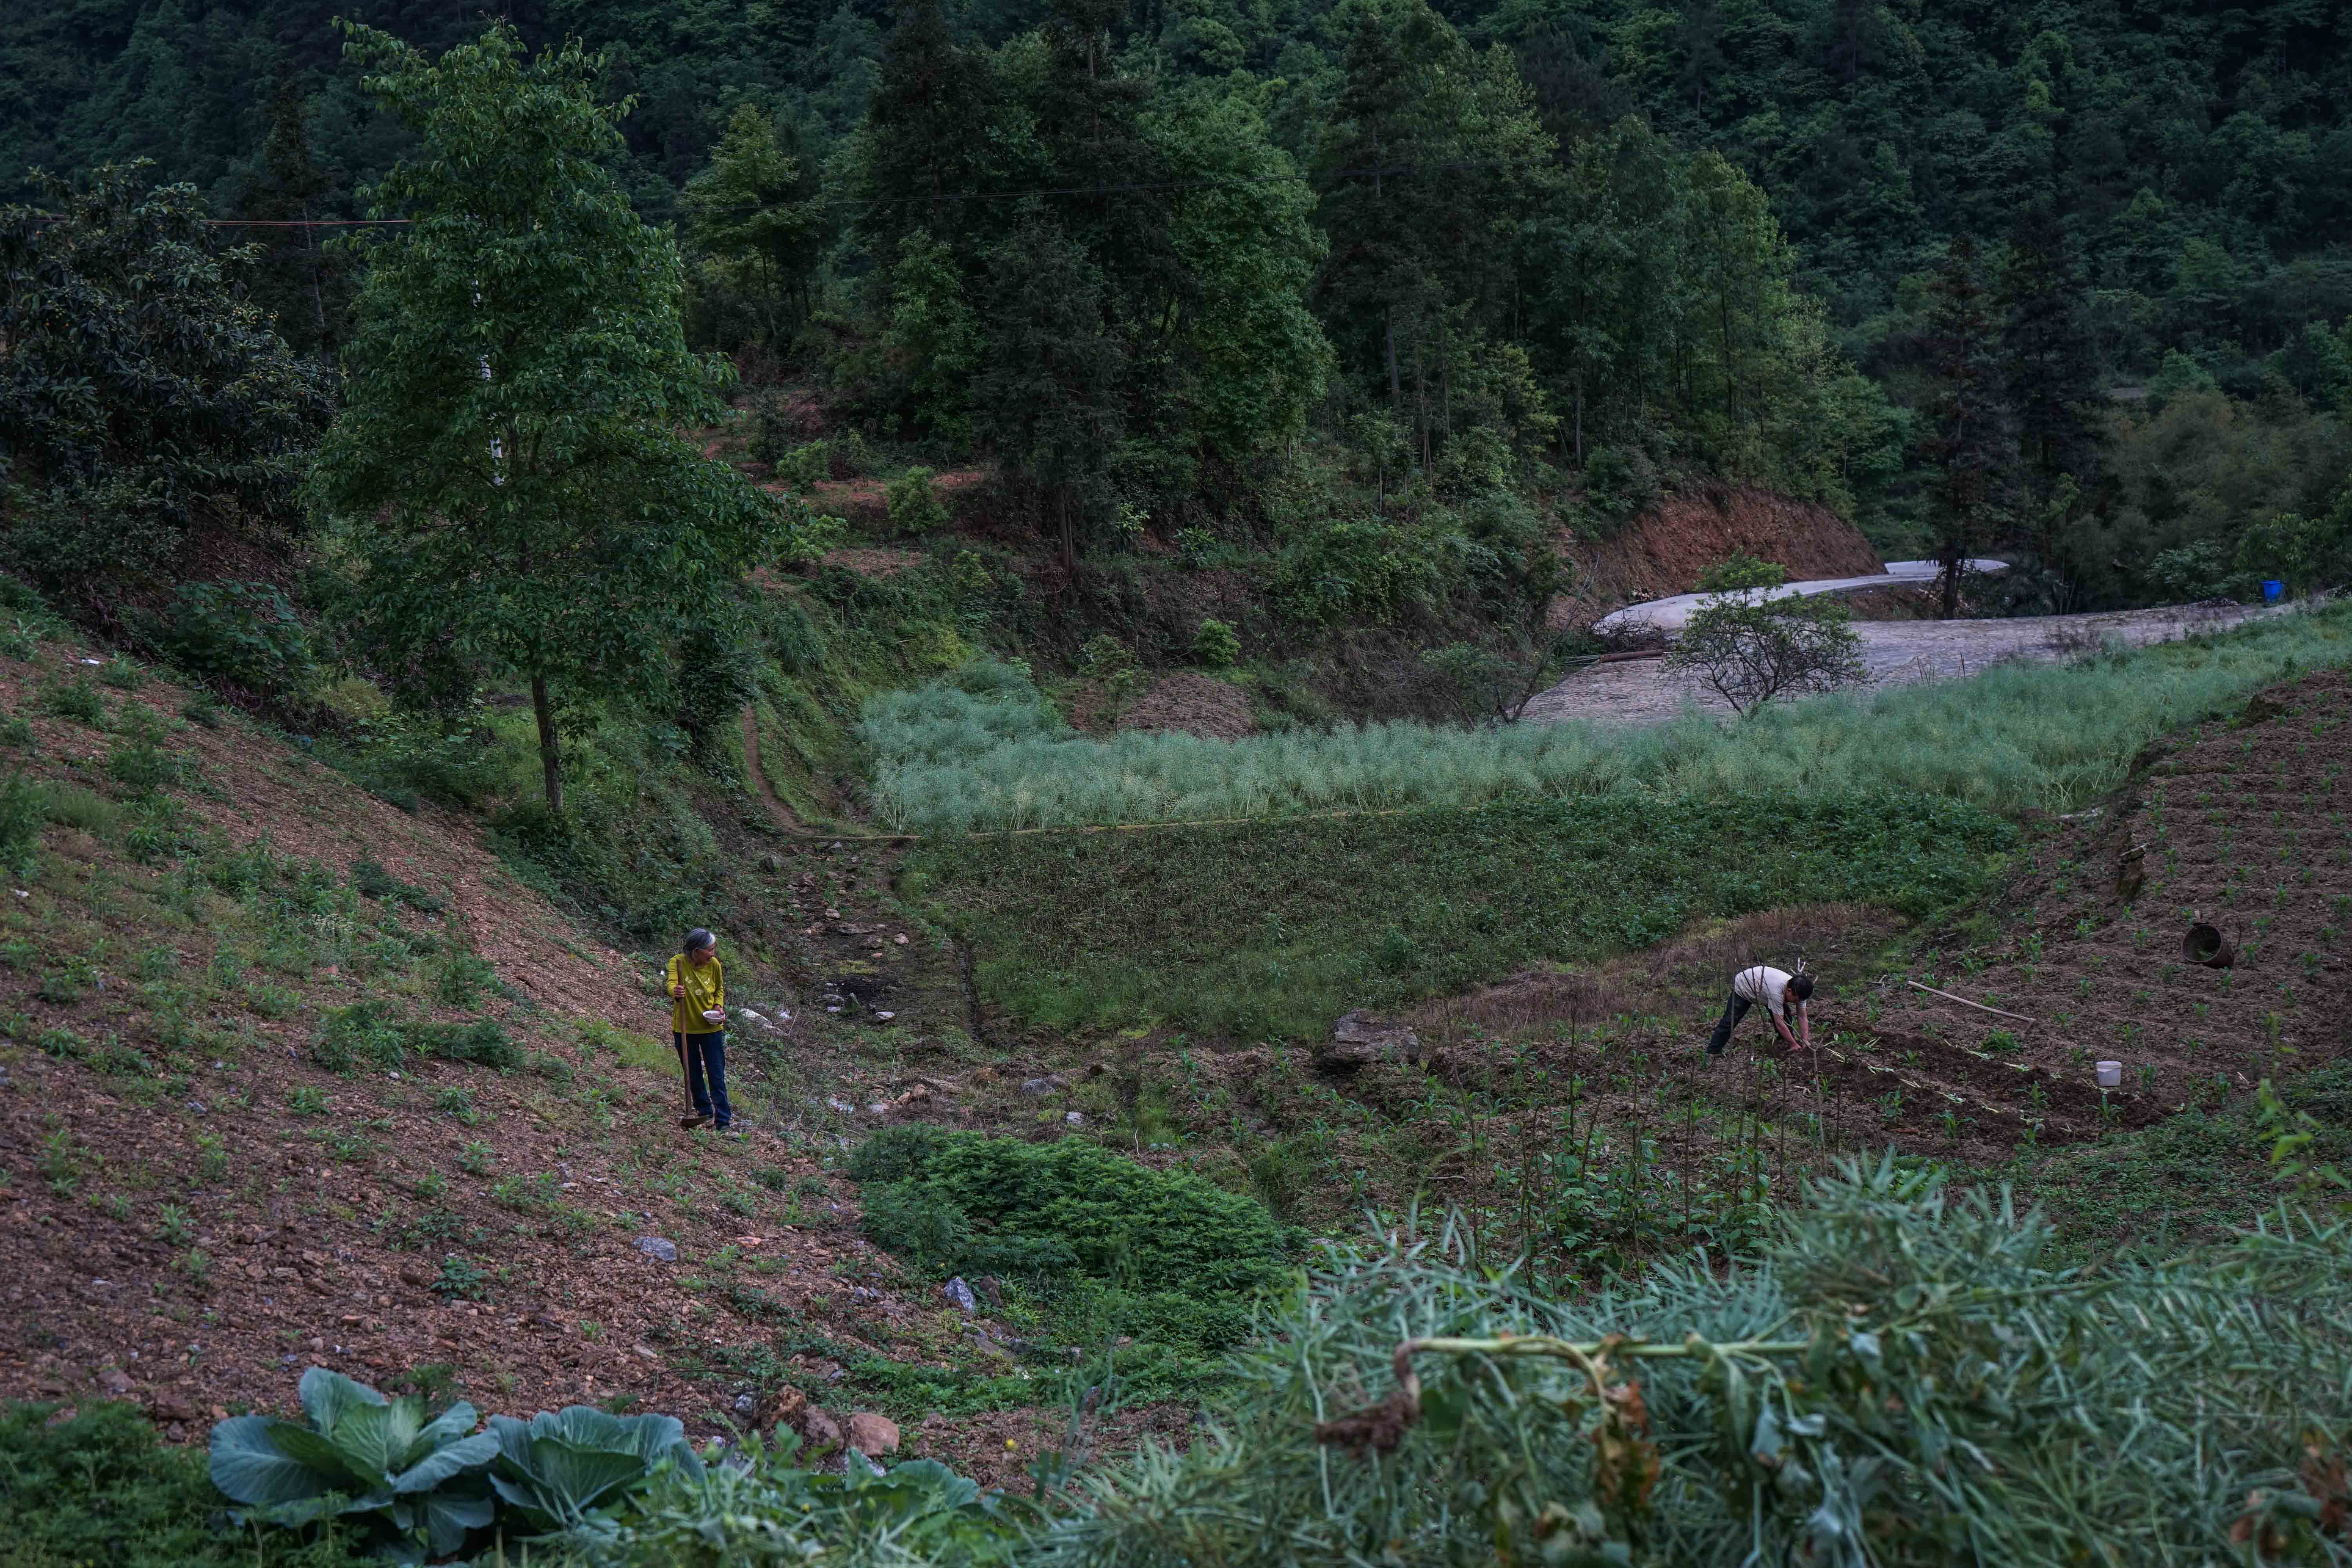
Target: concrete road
1668	615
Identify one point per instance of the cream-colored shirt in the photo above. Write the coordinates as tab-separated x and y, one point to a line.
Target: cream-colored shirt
1765	986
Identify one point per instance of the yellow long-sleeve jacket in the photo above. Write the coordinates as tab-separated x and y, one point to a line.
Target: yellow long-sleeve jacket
705	987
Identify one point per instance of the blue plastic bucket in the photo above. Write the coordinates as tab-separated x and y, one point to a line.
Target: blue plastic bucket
2272	590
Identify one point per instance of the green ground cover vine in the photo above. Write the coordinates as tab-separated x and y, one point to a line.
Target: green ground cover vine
1275	928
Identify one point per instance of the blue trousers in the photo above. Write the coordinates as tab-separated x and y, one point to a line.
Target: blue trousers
706	1074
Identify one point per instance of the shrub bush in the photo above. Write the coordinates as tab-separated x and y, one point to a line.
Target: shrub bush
246	634
1187	1256
1740	570
77	700
370	880
404	757
1216	645
1748	654
481	1041
914	504
362	1032
1357	573
806	467
24	812
143	768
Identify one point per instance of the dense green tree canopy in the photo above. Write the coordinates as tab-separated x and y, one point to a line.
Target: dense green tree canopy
143	399
1582	250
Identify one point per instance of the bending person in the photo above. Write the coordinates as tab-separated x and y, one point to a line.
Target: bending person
1784	997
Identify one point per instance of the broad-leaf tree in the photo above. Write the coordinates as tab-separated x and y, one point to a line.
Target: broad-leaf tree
511	480
143	400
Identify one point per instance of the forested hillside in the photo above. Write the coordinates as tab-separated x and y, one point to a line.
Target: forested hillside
2063	281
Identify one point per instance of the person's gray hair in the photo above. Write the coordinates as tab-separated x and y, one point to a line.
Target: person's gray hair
698	939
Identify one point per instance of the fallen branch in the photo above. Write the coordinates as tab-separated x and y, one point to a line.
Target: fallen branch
1966	1003
1380	1427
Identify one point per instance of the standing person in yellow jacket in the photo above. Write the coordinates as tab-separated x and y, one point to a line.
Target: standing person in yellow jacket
697	991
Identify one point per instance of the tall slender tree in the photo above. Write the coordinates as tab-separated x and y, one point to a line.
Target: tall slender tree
755	217
1963	443
305	284
1048	392
509	474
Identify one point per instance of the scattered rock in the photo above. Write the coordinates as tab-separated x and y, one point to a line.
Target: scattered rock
960	1295
745	1405
990	1288
900	939
771	864
1358	1037
1045	1085
1075	1117
655	1246
784	1408
872	1436
114	1381
819	1431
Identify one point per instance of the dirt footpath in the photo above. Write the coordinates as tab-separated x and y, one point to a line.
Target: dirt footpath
1643	691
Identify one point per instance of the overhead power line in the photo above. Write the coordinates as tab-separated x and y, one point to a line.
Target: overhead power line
1391	172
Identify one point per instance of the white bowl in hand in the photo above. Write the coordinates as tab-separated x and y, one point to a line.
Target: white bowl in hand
714	1015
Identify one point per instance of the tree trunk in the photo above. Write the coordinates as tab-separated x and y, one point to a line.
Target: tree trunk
551	761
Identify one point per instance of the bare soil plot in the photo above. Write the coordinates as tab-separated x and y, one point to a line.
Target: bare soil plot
1643	691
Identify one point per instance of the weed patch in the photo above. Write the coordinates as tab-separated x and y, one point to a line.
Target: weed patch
99	1488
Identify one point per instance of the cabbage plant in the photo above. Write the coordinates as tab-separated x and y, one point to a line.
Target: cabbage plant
557	1470
418	1486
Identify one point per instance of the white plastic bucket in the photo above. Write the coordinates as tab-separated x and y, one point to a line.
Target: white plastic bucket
2111	1074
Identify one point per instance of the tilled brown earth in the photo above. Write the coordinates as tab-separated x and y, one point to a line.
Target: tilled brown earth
2239	825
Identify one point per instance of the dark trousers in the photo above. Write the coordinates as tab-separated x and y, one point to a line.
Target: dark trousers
706	1074
1733	1011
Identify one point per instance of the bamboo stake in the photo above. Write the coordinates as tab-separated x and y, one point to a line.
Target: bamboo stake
1966	1003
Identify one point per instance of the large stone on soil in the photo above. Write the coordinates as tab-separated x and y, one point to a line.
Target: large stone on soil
655	1246
819	1431
1359	1038
872	1436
